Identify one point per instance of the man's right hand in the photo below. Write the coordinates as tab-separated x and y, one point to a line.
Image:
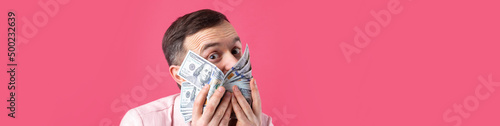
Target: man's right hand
215	114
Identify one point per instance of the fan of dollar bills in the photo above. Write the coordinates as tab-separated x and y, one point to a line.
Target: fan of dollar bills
199	72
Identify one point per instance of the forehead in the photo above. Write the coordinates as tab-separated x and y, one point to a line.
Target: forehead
223	32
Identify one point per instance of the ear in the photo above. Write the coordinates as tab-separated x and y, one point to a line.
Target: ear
173	69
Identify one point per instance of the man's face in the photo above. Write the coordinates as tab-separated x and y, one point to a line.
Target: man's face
220	45
204	73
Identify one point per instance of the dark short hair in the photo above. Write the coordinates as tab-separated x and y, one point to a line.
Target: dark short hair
189	24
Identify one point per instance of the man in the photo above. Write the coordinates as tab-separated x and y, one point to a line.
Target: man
209	34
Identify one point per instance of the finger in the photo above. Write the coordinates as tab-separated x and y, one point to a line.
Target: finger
221	110
237	109
256	104
243	102
227	114
212	104
199	101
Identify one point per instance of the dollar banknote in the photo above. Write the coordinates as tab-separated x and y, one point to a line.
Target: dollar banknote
188	94
199	72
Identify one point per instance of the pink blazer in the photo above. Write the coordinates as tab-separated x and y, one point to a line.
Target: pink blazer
164	112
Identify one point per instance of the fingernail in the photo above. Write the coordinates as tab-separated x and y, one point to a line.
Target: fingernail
235	88
221	89
206	86
255	83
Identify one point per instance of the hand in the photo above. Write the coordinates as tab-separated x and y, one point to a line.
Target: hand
213	115
247	116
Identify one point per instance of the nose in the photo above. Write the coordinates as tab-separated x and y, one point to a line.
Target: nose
228	61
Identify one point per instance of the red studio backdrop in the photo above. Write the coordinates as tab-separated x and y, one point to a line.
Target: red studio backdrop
324	62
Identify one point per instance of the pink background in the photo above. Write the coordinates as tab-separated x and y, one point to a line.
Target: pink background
91	53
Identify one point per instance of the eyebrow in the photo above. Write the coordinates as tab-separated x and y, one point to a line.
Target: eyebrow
206	46
237	39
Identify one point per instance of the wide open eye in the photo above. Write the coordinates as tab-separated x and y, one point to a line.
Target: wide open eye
236	51
213	56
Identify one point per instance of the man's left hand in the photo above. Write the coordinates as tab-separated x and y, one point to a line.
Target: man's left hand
247	116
